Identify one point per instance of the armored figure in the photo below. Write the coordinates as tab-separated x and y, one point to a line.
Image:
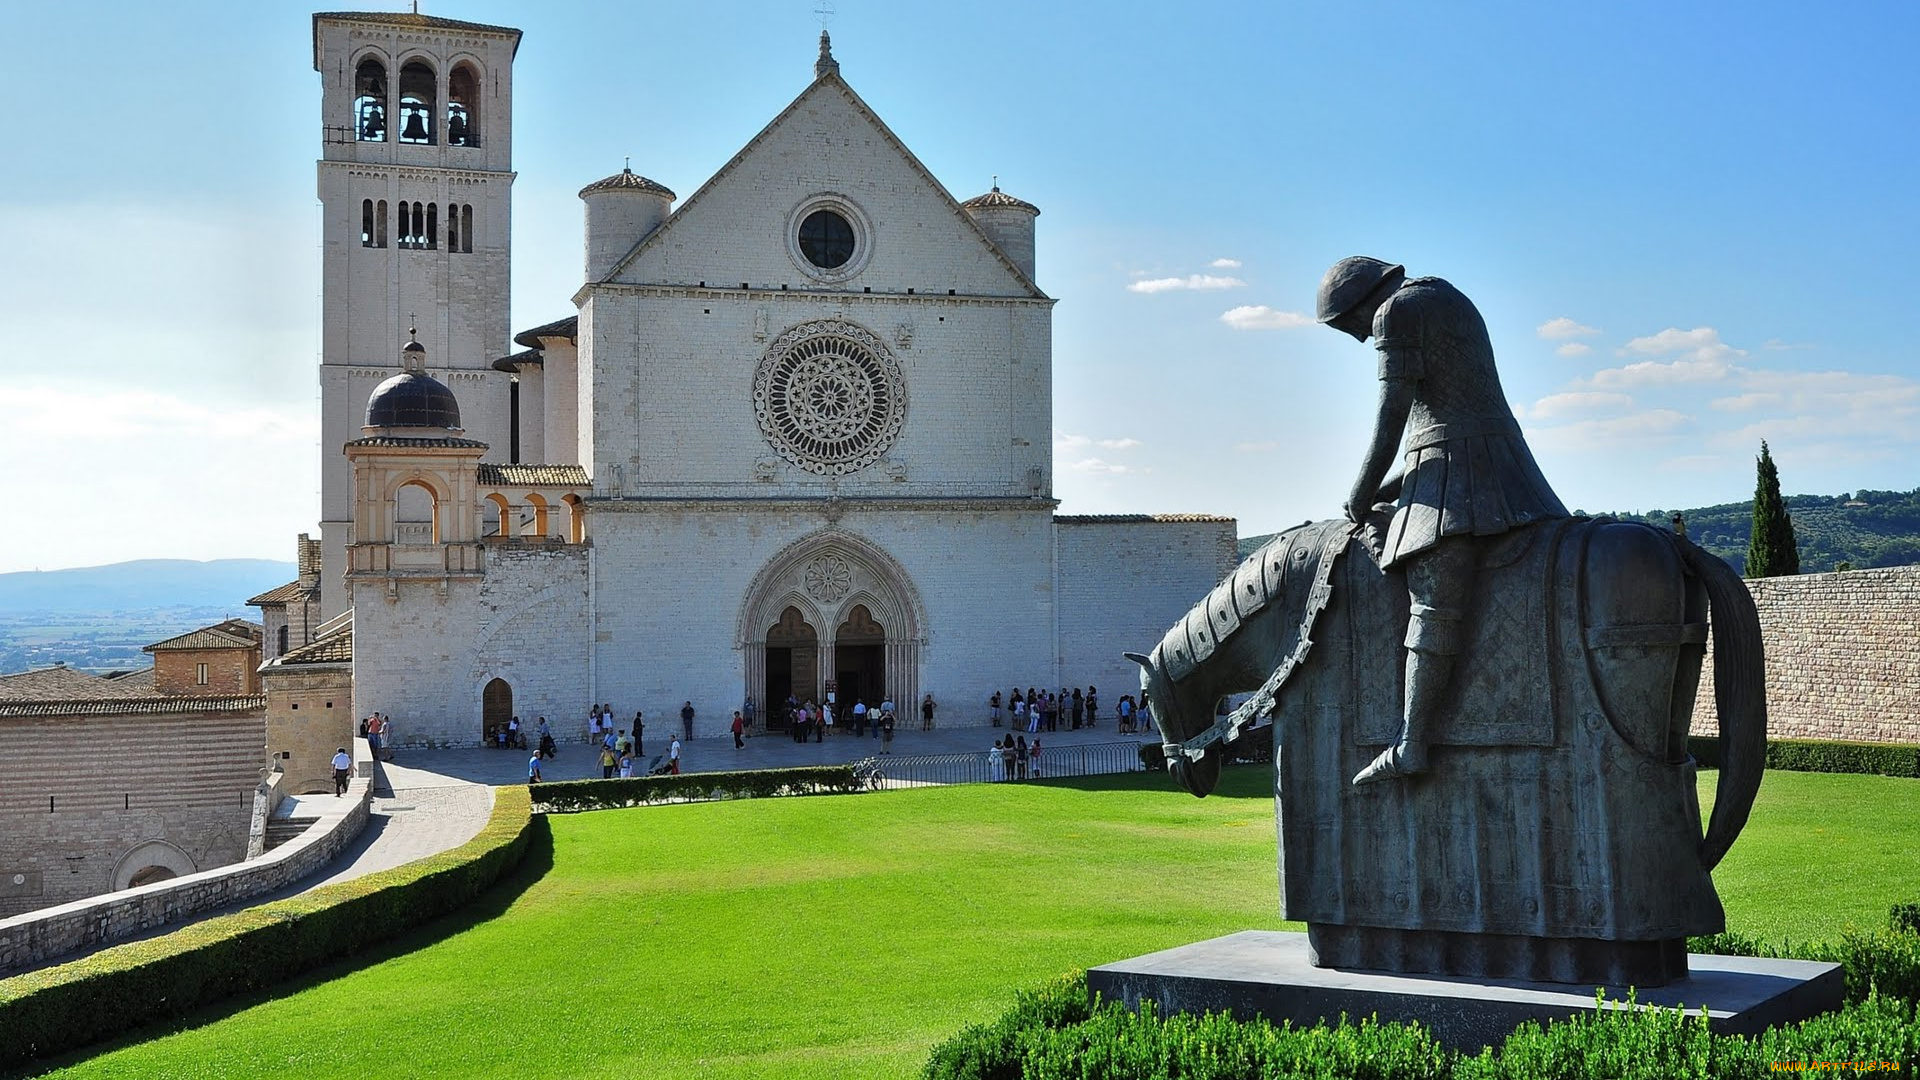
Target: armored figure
1468	472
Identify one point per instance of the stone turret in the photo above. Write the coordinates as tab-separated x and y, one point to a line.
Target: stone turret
621	211
1008	222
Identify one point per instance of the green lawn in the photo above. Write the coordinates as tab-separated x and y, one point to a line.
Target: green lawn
842	937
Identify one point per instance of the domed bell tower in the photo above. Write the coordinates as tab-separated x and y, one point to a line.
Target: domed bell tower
415	185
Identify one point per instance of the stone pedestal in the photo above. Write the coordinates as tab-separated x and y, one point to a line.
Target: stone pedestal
1269	973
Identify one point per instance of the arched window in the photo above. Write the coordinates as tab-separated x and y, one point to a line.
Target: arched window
536	517
366	222
576	519
466	229
416	514
282	650
417	105
432	231
463	107
370	101
380	224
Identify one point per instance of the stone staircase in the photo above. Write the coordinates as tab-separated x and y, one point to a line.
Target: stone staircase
282	829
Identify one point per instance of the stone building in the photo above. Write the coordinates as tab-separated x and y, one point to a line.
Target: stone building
221	660
796	439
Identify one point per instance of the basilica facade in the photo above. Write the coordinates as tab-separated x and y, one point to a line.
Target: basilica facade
795	437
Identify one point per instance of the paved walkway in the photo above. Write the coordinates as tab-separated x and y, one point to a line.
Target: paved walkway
764	750
414	814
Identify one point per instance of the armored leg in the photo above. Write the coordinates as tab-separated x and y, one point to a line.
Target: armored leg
1438	582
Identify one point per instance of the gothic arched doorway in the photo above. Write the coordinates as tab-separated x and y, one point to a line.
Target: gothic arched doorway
793	665
863	617
860	655
496	708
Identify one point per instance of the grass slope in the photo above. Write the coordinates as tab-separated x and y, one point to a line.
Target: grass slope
842	937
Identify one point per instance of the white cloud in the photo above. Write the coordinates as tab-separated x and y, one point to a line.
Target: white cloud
1612	434
1574	348
1574	401
1065	441
1262	317
1096	465
1656	373
1225	264
1563	328
1702	343
1198	282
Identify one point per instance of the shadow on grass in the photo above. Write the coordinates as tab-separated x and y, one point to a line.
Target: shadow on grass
489	905
1239	781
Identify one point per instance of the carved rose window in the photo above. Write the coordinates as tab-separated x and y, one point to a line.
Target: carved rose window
829	579
829	397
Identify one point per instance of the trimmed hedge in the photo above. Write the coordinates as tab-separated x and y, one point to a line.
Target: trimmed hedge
1819	755
575	796
1054	1033
71	1005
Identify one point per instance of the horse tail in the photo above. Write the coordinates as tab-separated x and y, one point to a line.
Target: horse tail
1739	697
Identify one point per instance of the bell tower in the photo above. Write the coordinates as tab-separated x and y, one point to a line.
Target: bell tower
416	183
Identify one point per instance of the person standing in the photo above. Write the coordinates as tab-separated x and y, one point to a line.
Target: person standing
926	713
993	708
1079	708
608	762
859	718
686	718
886	710
739	727
673	758
1020	757
886	734
342	767
1033	760
639	732
626	766
373	736
1093	705
533	769
996	763
387	737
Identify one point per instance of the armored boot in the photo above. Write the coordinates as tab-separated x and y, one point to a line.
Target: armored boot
1433	639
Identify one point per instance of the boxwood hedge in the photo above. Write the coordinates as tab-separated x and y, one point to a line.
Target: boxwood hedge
1818	755
573	796
67	1006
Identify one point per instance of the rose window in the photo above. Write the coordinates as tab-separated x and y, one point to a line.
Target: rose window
829	398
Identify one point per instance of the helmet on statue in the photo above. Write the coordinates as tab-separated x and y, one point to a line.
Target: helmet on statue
1349	282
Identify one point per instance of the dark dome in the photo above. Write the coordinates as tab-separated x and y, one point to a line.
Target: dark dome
413	401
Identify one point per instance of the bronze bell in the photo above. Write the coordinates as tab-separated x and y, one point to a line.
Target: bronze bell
373	123
415	129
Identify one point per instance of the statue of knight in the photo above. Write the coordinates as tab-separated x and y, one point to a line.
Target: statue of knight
1468	472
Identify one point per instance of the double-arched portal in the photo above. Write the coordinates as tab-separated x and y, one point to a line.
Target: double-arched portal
833	613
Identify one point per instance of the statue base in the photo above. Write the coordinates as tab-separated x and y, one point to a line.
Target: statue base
1580	961
1271	974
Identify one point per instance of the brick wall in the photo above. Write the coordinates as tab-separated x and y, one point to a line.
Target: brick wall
1843	656
229	671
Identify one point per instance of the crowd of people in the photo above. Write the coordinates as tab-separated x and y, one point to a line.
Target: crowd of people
1036	711
811	719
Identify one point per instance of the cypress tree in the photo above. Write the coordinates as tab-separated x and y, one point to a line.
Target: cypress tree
1772	552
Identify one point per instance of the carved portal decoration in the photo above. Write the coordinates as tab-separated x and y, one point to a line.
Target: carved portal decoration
829	397
829	579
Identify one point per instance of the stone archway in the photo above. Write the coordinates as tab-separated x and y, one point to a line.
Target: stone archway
151	861
792	666
496	708
848	591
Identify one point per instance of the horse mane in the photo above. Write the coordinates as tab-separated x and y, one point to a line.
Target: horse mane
1284	569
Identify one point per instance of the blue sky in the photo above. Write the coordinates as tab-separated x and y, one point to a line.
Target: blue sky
1688	226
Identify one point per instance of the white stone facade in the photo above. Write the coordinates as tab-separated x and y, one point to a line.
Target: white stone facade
808	418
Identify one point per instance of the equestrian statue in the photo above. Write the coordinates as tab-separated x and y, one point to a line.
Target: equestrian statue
1480	702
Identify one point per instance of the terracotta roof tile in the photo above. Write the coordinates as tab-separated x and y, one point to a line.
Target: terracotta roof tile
333	649
628	180
996	199
393	440
534	475
290	593
145	704
62	684
232	634
527	358
1137	519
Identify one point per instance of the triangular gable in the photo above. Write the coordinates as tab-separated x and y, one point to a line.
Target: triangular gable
648	263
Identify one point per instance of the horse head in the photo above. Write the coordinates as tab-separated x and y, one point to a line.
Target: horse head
1176	724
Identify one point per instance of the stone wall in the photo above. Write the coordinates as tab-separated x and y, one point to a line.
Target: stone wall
1843	656
309	715
1125	578
229	671
33	938
95	793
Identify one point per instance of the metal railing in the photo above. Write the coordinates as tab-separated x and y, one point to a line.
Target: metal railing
1085	759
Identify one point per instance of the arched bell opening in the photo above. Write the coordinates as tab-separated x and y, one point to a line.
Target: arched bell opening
499	515
463	107
793	665
418	105
416	514
370	101
576	519
860	659
534	522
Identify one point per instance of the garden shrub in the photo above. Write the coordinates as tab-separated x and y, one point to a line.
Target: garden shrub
67	1006
575	796
1886	961
1905	918
993	1051
1819	755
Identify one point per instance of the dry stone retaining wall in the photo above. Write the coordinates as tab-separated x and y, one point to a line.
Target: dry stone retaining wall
1843	656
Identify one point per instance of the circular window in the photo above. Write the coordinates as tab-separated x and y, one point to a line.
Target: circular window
826	239
829	398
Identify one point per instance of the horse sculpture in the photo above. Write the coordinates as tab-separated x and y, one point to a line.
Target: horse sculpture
1558	833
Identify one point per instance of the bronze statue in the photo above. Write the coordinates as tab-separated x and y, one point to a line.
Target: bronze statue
1548	663
1468	471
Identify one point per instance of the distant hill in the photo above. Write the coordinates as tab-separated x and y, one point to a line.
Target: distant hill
1863	529
142	584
